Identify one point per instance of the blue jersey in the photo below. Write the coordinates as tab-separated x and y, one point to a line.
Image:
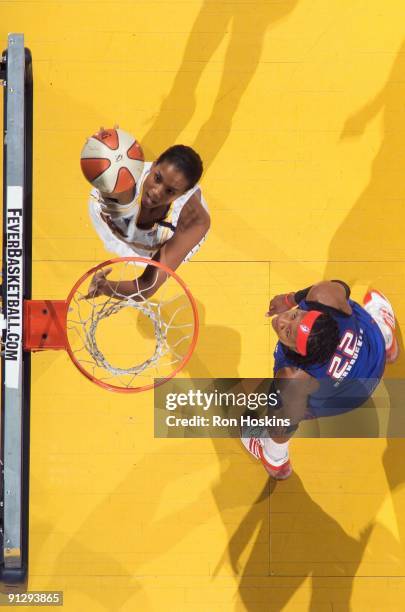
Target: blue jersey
354	370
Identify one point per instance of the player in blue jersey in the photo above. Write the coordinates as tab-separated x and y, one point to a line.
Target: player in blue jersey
330	357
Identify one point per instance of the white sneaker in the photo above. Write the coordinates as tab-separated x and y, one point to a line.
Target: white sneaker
255	447
378	307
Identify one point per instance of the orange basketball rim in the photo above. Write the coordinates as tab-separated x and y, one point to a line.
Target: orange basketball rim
120	342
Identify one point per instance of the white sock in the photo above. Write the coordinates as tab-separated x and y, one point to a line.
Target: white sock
275	454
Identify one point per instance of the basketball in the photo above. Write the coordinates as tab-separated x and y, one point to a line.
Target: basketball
112	161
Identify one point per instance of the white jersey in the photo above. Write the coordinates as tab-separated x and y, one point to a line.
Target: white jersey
132	240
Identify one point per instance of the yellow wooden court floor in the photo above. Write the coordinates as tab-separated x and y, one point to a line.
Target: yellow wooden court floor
297	109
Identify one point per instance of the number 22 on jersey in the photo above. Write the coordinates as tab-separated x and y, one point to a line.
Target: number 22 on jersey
345	352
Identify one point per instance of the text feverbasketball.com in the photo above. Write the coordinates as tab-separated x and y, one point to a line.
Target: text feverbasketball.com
14	284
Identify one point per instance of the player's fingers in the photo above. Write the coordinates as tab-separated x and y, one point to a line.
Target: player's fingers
91	294
100	275
106	271
93	288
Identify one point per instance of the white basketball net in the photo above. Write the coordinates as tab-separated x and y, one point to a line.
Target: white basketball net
169	311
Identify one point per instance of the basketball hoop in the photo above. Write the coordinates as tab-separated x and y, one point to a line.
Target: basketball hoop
153	337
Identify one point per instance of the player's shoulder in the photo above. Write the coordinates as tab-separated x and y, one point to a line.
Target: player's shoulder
193	212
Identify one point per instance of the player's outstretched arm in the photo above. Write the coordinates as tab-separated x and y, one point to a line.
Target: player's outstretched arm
193	224
331	293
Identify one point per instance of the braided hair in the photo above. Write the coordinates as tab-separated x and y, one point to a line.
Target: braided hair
322	343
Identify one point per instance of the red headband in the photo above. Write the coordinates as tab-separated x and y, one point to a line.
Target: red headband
304	329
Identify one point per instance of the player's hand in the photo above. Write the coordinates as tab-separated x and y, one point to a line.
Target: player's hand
102	129
99	285
115	230
280	303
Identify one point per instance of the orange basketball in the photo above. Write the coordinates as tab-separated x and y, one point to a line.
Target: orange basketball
112	161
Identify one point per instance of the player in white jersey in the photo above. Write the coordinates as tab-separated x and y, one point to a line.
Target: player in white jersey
165	218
